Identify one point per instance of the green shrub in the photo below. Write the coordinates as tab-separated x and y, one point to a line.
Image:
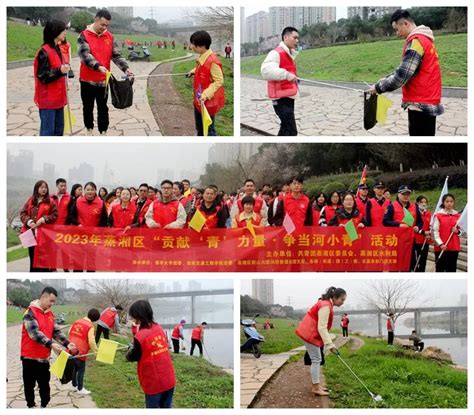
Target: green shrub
334	187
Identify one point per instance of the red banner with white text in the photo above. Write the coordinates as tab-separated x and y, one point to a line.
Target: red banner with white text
312	249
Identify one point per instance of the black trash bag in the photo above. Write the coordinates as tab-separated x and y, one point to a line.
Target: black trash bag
370	110
69	372
121	92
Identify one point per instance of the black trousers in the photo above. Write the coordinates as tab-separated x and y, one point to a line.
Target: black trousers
422	254
35	372
31	254
197	343
175	345
285	110
200	128
390	337
447	262
101	330
421	124
345	332
419	346
89	95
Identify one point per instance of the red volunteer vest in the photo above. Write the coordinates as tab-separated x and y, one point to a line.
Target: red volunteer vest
65	47
330	212
377	211
202	80
399	214
143	211
108	317
101	47
361	206
123	217
426	218
356	220
282	89
88	214
155	368
257	207
30	348
296	208
165	213
50	96
389	325
425	86
211	218
79	336
446	225
307	330
43	210
175	332
196	333
242	222
316	216
62	205
344	322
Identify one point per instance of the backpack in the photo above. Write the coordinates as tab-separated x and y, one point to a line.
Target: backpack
121	92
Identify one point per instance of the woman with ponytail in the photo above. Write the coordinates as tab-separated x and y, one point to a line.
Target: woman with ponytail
314	331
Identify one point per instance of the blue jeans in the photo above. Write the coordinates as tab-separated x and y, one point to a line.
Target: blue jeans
160	400
52	122
199	127
78	379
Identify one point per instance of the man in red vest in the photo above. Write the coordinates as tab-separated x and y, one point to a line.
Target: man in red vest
362	199
260	207
177	334
376	206
39	335
81	334
167	213
109	320
197	337
62	198
418	75
142	203
96	48
279	69
208	81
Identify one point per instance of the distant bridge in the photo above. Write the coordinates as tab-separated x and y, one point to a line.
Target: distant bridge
455	314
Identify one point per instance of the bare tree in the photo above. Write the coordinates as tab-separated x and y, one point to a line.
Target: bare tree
216	19
107	292
392	296
12	212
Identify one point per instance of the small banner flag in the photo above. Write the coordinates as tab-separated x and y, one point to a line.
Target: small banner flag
408	218
363	179
108	74
462	222
288	224
383	105
198	221
438	207
351	231
206	119
57	368
106	352
69	120
251	228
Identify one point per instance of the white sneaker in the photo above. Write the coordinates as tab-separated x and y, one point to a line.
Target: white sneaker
84	391
103	133
74	388
90	131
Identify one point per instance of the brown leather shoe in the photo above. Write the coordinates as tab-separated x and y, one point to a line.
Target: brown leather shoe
318	390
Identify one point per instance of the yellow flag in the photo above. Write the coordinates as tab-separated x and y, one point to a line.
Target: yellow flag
251	228
106	352
206	119
108	74
57	368
69	119
198	221
383	105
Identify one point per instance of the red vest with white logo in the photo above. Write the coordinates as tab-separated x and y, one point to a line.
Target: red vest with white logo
175	332
63	205
242	222
50	96
108	317
123	217
88	214
361	206
282	89
165	213
377	211
43	210
296	208
426	218
202	80
425	86
399	213
30	348
101	47
211	218
356	220
257	207
155	368
143	211
308	327
446	225
79	335
196	334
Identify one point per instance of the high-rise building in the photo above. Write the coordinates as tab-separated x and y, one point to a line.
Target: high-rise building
366	13
279	18
20	165
312	15
81	174
49	173
228	154
256	26
122	11
262	290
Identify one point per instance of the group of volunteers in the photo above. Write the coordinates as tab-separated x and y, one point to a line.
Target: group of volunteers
174	204
418	75
41	334
97	48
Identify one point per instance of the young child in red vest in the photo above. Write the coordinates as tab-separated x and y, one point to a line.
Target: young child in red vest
208	81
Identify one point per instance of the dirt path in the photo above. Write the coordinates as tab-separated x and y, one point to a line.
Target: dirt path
175	117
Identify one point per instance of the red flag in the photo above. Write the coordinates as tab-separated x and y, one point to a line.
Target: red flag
288	224
363	178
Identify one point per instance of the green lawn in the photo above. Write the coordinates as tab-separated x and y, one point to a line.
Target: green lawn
12	238
279	339
371	61
403	379
72	313
17	254
199	384
225	118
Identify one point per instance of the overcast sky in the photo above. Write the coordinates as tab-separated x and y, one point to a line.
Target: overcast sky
161	14
304	293
132	162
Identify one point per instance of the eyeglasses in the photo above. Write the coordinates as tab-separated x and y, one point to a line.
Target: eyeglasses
166	188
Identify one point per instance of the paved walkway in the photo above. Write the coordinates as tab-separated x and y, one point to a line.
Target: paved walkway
329	111
23	117
62	396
